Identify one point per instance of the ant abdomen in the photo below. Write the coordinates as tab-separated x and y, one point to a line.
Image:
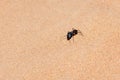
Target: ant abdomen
69	35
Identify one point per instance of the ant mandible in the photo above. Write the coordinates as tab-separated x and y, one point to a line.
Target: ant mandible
72	33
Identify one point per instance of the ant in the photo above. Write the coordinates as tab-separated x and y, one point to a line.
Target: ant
72	33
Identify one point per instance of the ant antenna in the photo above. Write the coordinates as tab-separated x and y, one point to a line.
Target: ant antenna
73	28
80	32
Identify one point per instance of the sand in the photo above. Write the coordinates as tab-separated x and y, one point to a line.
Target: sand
33	44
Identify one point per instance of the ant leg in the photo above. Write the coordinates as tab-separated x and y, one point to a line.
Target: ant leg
73	39
73	28
64	37
69	41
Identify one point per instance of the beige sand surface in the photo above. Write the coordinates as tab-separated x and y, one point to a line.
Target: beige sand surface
33	44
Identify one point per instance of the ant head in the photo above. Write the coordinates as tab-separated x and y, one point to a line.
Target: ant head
75	31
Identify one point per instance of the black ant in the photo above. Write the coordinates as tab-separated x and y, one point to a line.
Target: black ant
72	33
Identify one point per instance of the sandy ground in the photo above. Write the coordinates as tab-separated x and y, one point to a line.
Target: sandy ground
33	43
